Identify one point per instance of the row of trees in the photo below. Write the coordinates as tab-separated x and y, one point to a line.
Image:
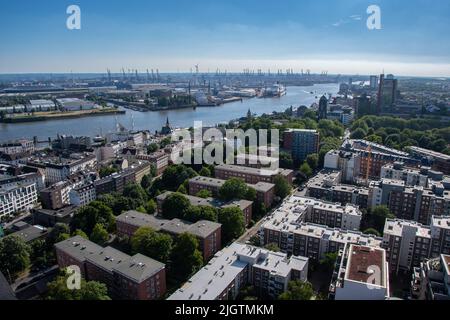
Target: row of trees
177	205
400	133
181	254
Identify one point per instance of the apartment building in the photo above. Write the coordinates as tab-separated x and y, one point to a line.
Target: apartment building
347	163
265	192
239	265
256	161
411	203
326	185
118	181
244	205
251	175
431	281
410	175
18	146
127	277
17	198
208	233
82	195
287	228
159	159
437	160
373	156
58	169
301	143
361	273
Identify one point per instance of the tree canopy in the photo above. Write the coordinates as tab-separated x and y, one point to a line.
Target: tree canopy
233	223
151	243
298	290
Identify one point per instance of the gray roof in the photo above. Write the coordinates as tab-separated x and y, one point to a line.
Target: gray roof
136	268
31	233
108	258
78	247
210	202
139	267
260	186
201	228
6	293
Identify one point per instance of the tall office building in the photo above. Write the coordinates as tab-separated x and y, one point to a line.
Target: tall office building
323	105
373	82
301	143
387	91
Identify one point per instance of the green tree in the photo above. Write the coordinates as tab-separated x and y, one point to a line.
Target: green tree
282	187
359	133
106	171
233	188
272	247
286	160
150	207
152	244
372	231
146	182
233	223
250	194
186	259
175	206
136	193
205	172
99	234
204	194
175	175
14	255
182	189
95	213
329	260
380	214
313	160
298	290
89	290
306	169
197	213
58	233
153	147
80	233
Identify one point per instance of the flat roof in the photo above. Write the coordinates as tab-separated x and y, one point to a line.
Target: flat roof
108	258
214	182
441	222
395	227
210	202
139	267
31	233
78	247
136	268
250	170
227	264
200	228
431	153
363	262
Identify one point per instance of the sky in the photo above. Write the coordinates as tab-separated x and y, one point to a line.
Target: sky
175	35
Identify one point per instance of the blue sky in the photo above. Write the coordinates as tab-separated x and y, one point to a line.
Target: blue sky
174	35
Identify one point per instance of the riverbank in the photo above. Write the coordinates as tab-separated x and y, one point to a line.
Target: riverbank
44	116
93	126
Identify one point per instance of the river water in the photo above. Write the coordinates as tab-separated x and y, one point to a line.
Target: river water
92	126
